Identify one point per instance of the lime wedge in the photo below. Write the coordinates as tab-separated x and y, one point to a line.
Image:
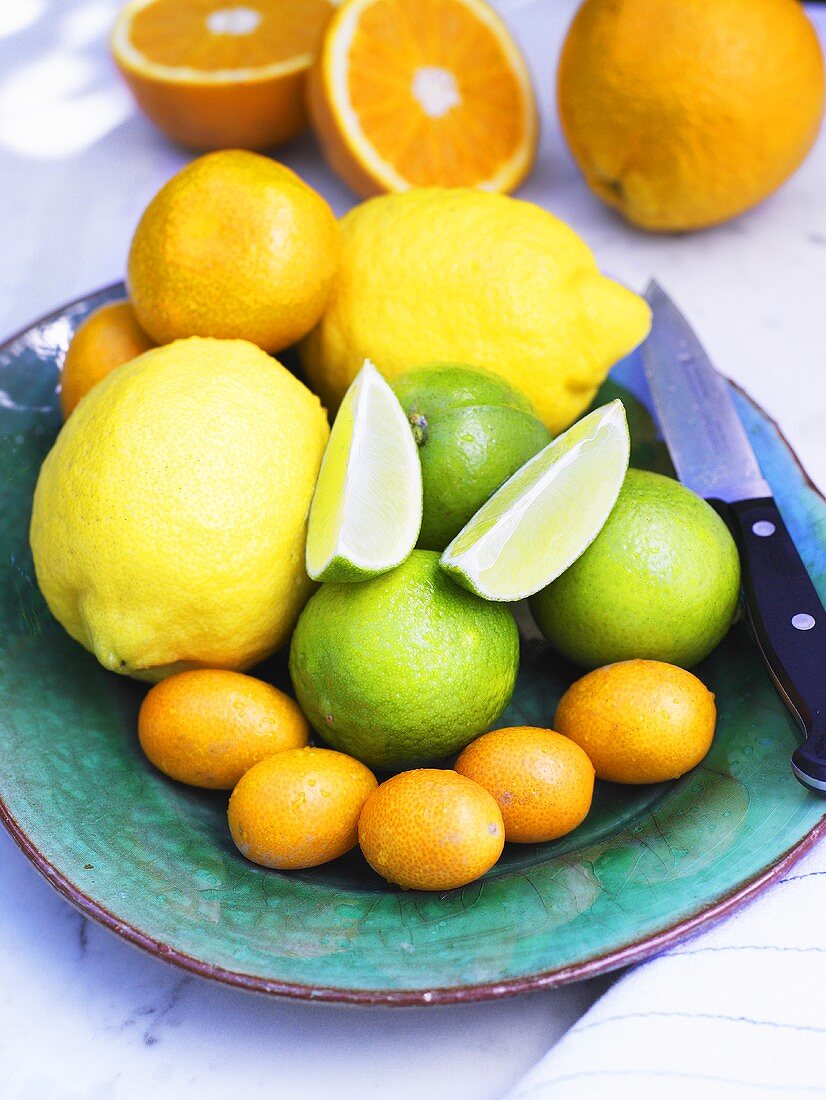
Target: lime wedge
367	507
545	515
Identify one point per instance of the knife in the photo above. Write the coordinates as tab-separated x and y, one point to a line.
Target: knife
712	455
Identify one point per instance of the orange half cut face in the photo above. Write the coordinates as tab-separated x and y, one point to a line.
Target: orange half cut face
416	93
221	73
211	37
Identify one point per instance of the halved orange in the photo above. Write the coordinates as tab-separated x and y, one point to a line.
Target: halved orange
417	93
217	74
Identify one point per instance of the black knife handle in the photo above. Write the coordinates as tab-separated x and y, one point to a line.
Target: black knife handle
789	623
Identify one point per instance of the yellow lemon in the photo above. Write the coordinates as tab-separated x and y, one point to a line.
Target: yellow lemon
234	246
436	274
170	516
682	115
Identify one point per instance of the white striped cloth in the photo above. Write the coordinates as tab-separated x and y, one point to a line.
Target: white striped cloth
738	1012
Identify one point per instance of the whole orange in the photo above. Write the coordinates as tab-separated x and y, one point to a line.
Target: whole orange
639	721
299	808
207	727
431	830
684	114
542	782
106	339
233	246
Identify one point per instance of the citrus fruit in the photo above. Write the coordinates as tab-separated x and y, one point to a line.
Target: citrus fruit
661	580
684	115
233	246
543	782
431	830
367	506
170	516
216	74
438	275
473	430
299	808
639	721
208	726
547	514
648	450
420	93
404	668
106	339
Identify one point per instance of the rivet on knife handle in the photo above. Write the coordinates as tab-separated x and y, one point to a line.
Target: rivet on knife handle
789	623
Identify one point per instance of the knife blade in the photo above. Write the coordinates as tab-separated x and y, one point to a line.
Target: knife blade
712	455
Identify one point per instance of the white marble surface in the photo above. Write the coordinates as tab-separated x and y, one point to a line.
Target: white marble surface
82	1014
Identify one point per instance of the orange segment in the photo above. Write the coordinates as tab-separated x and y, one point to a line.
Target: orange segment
221	73
416	93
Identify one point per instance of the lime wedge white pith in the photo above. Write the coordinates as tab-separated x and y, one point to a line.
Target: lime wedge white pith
367	508
545	515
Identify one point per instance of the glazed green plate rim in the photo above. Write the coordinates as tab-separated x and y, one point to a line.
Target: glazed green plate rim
631	951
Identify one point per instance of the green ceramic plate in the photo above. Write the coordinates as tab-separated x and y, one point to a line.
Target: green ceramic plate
153	860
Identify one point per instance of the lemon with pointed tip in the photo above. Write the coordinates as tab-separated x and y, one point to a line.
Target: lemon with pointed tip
455	275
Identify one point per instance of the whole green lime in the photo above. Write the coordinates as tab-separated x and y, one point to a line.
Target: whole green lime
403	669
474	430
660	581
